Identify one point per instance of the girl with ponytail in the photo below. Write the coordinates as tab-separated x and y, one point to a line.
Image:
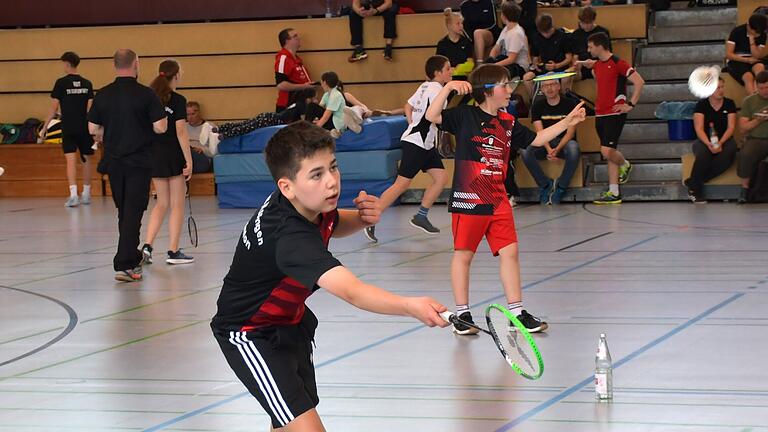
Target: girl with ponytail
456	45
171	165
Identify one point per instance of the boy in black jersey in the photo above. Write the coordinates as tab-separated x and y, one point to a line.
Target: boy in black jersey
485	136
262	325
73	95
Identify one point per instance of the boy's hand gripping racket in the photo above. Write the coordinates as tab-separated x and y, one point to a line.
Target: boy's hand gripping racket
513	340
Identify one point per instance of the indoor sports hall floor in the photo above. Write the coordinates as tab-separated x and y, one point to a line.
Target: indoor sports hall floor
681	291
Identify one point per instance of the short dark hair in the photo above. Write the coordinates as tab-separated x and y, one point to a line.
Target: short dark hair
71	58
294	143
124	58
544	23
435	64
511	11
587	14
283	36
758	22
483	75
762	77
330	78
600	39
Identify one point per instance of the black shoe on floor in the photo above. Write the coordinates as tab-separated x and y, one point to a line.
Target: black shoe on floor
532	323
462	329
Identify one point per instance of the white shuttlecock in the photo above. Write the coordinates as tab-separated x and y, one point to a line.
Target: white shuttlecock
703	81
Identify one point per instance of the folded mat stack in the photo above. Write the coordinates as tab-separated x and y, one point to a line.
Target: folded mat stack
367	161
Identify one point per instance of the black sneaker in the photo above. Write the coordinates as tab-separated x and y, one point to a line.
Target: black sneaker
358	54
532	323
178	257
608	198
743	196
146	254
461	329
624	172
422	223
370	233
130	275
388	53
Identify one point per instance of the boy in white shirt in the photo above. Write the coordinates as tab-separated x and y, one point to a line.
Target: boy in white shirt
419	149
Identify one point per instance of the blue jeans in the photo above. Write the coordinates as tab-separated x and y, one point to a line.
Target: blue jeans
571	153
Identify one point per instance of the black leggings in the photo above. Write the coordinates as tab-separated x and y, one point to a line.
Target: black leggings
707	165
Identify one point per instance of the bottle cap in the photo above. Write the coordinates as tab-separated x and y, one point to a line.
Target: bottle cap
602	335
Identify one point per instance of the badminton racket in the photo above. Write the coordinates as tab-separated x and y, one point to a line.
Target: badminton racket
191	224
703	81
512	339
515	81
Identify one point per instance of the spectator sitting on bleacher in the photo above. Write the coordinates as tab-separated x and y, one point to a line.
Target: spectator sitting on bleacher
291	77
545	113
752	121
197	128
743	50
714	114
363	9
551	51
587	27
456	46
480	25
511	50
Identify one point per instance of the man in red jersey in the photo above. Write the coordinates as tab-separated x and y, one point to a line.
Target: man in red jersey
291	77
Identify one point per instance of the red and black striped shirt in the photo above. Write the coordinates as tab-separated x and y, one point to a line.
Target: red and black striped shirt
278	260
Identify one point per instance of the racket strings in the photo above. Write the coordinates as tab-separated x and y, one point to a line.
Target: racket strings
512	343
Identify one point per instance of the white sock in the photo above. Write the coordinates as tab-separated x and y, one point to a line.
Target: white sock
614	189
460	309
86	189
516	308
72	190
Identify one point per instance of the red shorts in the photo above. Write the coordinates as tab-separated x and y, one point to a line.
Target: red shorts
498	229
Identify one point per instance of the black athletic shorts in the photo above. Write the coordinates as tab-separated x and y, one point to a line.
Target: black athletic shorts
275	365
417	159
609	129
738	69
72	143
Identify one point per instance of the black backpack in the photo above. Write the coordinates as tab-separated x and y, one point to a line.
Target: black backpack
758	187
28	131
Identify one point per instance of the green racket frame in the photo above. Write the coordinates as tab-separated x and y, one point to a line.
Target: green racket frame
522	330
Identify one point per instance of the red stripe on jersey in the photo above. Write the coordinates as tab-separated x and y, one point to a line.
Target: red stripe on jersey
285	304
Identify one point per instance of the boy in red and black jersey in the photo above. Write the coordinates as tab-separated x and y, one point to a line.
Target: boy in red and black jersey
484	139
611	107
262	325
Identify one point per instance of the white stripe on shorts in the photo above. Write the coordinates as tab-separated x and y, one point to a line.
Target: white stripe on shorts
263	376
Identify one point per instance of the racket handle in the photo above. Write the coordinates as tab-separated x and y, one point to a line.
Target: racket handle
448	316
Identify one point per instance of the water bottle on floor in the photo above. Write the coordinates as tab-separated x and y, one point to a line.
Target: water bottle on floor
603	371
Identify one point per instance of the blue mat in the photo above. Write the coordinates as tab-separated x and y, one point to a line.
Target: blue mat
361	165
380	133
251	194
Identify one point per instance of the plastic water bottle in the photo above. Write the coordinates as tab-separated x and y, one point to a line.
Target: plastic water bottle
713	139
328	12
603	371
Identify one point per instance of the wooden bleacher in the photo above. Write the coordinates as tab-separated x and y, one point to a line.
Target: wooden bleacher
745	8
228	66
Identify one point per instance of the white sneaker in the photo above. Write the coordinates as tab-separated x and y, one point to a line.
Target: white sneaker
72	202
85	198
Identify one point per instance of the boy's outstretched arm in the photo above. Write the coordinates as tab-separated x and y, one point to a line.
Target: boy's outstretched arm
343	284
574	117
435	111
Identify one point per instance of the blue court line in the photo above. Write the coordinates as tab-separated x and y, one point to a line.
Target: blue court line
548	403
214	405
